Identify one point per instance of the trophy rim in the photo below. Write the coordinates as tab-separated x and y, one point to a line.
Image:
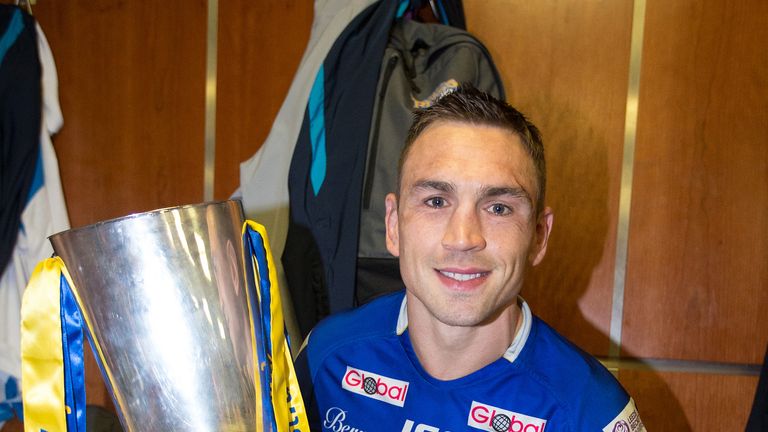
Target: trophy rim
132	216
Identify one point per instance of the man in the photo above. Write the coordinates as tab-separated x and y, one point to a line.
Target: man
459	350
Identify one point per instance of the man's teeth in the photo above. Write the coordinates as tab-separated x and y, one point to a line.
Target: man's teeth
461	277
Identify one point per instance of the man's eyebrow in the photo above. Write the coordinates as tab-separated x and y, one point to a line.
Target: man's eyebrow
434	184
495	191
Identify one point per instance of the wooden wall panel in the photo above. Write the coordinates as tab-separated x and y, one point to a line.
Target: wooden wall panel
260	46
131	78
698	243
565	65
691	402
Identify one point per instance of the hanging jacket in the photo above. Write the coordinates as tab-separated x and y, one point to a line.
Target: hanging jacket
21	176
324	180
20	98
45	214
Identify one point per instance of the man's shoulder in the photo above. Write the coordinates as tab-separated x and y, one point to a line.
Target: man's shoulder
557	360
375	319
584	387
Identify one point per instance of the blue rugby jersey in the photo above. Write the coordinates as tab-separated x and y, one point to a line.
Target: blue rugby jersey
360	373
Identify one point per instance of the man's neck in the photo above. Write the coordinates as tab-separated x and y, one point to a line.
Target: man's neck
450	352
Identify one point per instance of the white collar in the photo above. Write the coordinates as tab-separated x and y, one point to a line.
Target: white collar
517	343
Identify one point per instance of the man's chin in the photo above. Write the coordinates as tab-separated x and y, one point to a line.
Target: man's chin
456	318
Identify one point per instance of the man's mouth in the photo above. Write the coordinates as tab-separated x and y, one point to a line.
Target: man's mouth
462	277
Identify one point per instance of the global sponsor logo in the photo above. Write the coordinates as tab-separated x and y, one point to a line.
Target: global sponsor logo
411	426
335	419
494	419
379	387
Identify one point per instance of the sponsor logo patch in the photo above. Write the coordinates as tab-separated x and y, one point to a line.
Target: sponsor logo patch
379	387
494	419
628	420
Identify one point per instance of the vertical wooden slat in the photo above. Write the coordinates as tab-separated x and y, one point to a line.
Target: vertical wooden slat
211	59
698	250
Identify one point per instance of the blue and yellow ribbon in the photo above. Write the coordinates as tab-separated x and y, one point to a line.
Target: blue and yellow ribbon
275	362
52	373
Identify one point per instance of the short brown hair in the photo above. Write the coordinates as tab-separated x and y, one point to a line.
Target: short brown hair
467	104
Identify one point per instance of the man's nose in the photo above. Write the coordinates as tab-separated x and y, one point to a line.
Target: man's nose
464	231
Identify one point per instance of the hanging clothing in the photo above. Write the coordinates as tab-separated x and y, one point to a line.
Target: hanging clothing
325	178
264	177
19	121
19	152
44	212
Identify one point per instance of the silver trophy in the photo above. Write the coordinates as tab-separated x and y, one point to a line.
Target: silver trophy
164	297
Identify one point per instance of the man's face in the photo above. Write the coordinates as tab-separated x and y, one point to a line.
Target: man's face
465	227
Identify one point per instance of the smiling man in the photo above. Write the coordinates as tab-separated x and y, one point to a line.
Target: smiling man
459	349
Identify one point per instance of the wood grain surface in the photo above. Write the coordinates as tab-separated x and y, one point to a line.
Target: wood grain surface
260	46
132	90
698	243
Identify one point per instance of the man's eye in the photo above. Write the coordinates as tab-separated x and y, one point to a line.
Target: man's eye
499	209
435	202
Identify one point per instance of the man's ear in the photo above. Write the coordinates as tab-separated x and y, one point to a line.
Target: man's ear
391	223
541	236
